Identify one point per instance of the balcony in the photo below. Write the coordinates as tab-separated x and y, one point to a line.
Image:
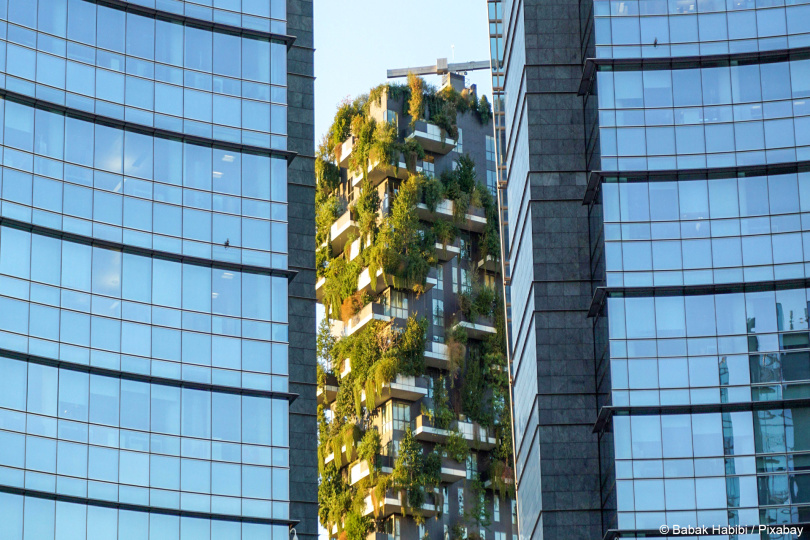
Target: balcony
489	264
437	355
328	392
479	329
477	436
432	138
347	455
363	468
344	151
372	311
392	504
379	170
446	252
341	230
452	470
403	387
474	220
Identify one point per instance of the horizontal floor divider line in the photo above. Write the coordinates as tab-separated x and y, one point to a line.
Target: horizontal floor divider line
684	62
607	412
597	178
141	128
602	293
123	5
163	381
145	252
142	508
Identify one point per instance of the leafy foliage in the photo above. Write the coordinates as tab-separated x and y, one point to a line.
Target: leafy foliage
416	102
455	447
403	248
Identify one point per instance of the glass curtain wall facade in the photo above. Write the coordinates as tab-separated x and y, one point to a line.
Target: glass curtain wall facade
156	327
698	228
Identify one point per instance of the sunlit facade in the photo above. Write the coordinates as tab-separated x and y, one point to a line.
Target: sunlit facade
148	337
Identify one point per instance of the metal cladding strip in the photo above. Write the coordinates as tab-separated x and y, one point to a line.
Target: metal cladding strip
606	413
142	508
145	252
140	128
597	178
163	381
123	5
602	293
683	62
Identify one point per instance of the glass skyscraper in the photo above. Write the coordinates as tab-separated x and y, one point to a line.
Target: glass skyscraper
156	298
704	131
684	128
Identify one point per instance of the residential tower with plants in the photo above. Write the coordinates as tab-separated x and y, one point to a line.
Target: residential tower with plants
415	437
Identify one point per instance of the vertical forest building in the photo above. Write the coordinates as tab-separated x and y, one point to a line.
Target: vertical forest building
415	430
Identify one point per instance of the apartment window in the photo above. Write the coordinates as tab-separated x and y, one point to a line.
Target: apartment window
500	536
514	512
446	532
472	466
454	275
428	167
490	148
492	181
391	528
466	281
496	510
438	312
482	533
439	278
422	531
402	416
392	116
461	501
396	304
386	419
466	249
445	503
459	145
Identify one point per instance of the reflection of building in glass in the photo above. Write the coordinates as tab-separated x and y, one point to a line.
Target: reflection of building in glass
153	332
683	127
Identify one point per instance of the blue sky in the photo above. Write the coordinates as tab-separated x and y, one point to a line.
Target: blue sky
357	41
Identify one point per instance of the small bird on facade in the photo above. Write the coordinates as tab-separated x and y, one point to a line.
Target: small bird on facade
227	242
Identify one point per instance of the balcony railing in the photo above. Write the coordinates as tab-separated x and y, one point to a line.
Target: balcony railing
476	435
478	328
432	138
474	219
403	387
341	230
372	311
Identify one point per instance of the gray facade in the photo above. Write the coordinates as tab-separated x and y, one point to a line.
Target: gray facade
551	338
301	185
